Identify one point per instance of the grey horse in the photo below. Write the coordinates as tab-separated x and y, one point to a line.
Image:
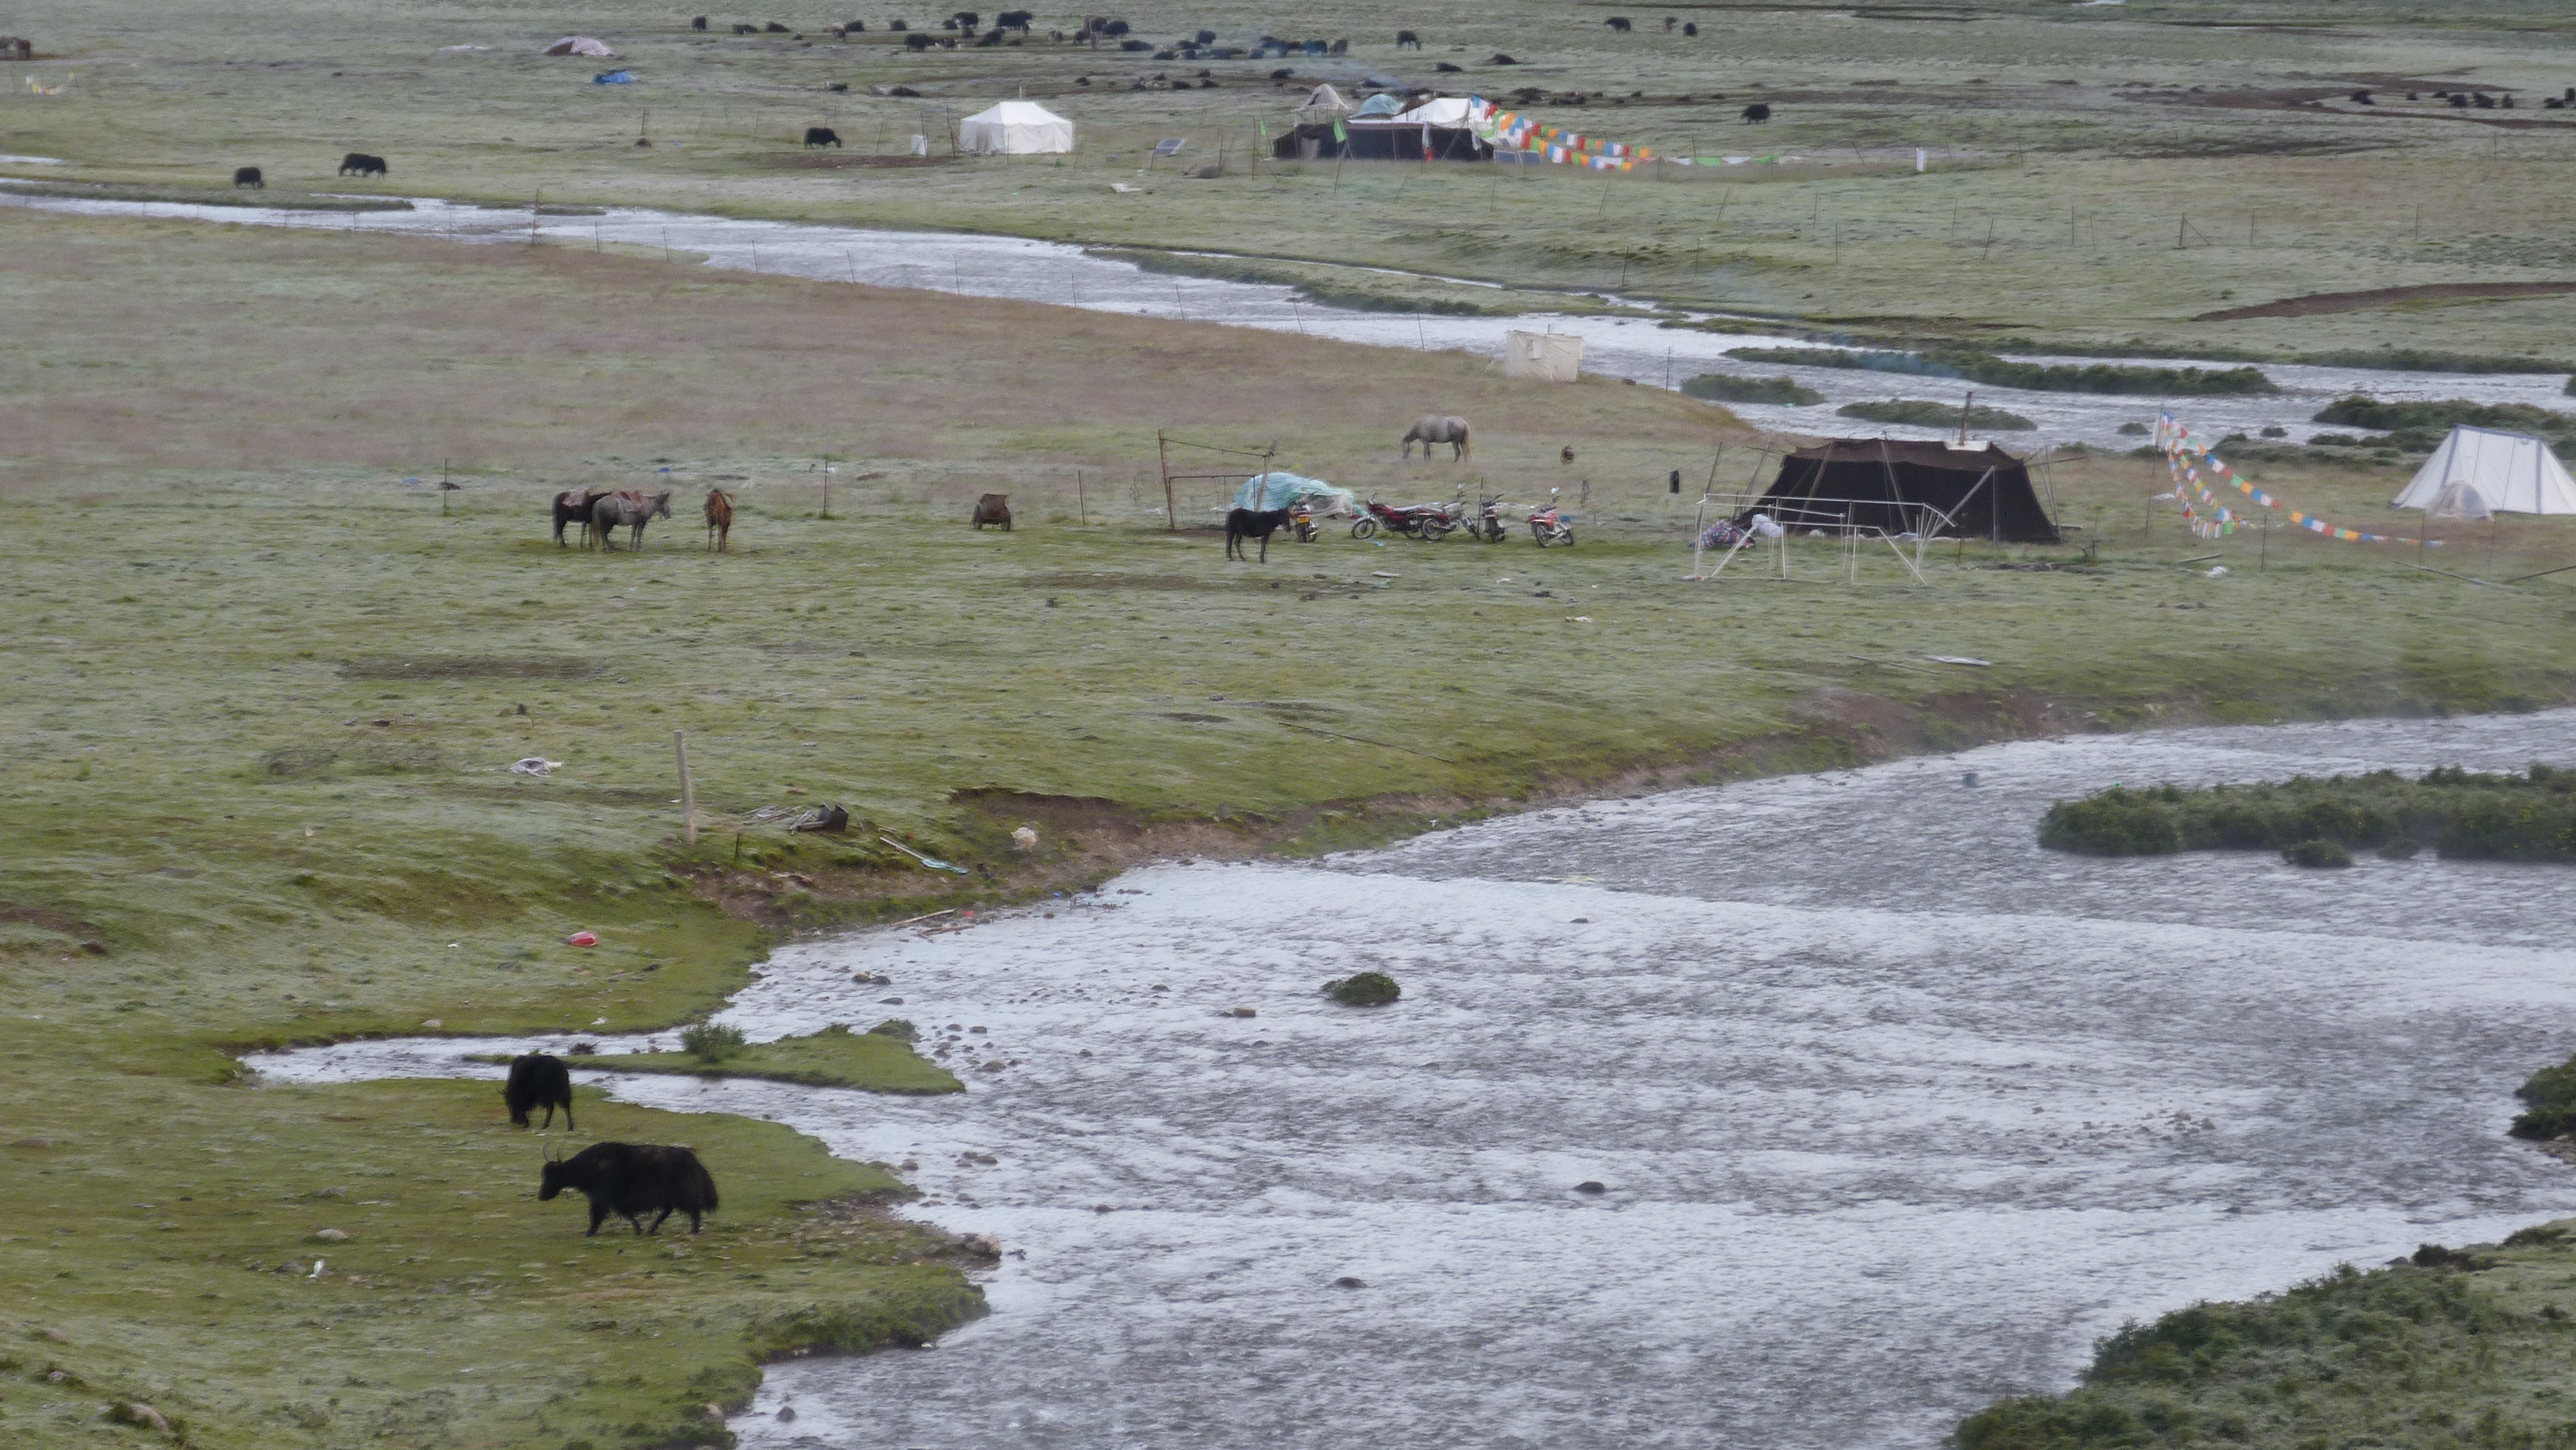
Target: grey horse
631	509
1433	428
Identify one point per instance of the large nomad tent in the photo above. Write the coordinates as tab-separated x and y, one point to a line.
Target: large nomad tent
2478	471
579	45
1014	128
1863	483
1429	128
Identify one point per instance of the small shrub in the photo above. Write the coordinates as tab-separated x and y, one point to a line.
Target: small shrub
2550	1096
711	1041
2401	849
2132	430
1924	413
895	1027
1364	989
2316	853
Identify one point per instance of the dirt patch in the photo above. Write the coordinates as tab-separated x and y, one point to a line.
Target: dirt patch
2318	302
469	667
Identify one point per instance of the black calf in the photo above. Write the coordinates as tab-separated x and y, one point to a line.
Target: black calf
537	1080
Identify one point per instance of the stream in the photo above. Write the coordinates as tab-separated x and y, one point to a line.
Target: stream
1636	348
1895	1112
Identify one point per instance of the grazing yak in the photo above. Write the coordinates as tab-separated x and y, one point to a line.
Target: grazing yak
1242	524
1446	68
1757	114
1618	23
1404	38
821	136
1433	428
631	1180
249	176
992	508
538	1080
628	509
698	22
1690	28
363	164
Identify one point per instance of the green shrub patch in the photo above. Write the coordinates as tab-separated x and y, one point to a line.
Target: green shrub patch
2529	817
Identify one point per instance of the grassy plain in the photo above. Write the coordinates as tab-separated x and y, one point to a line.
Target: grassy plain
2453	1347
266	685
872	1061
2098	175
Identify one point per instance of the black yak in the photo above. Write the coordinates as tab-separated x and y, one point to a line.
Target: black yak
1242	524
1617	22
363	164
249	176
821	136
1404	38
698	22
631	1180
1757	114
538	1080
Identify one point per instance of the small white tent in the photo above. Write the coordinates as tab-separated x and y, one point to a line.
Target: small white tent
579	45
1550	357
2510	473
1014	128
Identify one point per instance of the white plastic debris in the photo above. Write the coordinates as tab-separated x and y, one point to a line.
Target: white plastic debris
535	765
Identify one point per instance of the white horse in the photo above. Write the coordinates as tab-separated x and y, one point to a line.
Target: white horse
1433	428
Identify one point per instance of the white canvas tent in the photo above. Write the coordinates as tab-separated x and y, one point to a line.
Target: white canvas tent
1550	357
2506	473
579	45
1014	128
1322	105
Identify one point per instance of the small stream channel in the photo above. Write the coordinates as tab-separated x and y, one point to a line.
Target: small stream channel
1896	1112
1636	348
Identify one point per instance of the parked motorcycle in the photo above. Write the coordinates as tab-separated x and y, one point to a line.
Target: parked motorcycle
1548	526
1415	521
1486	525
1301	521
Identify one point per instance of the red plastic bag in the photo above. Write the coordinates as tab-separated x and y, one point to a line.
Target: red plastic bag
582	939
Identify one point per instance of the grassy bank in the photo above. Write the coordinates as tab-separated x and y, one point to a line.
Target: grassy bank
2452	1347
269	680
2055	140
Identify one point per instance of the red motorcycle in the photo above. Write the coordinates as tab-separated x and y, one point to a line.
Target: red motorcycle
1548	527
1428	522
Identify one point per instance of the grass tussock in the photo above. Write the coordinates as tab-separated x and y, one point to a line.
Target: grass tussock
2421	427
2528	817
1729	388
1984	367
1925	413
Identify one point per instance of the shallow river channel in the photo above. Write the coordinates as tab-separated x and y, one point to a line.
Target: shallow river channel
1630	347
1896	1111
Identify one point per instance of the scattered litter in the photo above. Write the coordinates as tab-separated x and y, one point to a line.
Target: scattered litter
1578	619
1961	660
827	818
613	78
536	765
317	1270
1382	574
432	1023
2218	573
909	920
932	862
464	47
582	939
1123	188
1025	838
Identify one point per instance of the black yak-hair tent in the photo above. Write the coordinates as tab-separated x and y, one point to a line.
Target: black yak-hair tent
1866	483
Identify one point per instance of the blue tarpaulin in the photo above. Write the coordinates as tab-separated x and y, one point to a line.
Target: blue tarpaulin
613	78
1276	490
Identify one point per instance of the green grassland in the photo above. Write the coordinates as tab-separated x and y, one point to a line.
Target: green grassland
267	680
2100	176
2453	1347
834	1057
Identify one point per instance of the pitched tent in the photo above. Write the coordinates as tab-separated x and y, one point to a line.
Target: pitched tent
1322	105
1861	483
579	45
1014	128
2510	473
1550	357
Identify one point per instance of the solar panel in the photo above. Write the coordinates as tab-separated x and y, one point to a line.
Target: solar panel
1170	145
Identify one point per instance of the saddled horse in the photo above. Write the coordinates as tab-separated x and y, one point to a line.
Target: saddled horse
630	510
719	518
573	506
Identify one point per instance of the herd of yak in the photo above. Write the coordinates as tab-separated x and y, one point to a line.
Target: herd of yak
626	1179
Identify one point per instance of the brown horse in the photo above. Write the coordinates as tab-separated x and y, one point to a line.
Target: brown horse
719	518
630	509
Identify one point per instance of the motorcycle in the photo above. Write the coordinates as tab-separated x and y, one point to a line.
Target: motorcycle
1301	522
1426	521
1547	526
1486	525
